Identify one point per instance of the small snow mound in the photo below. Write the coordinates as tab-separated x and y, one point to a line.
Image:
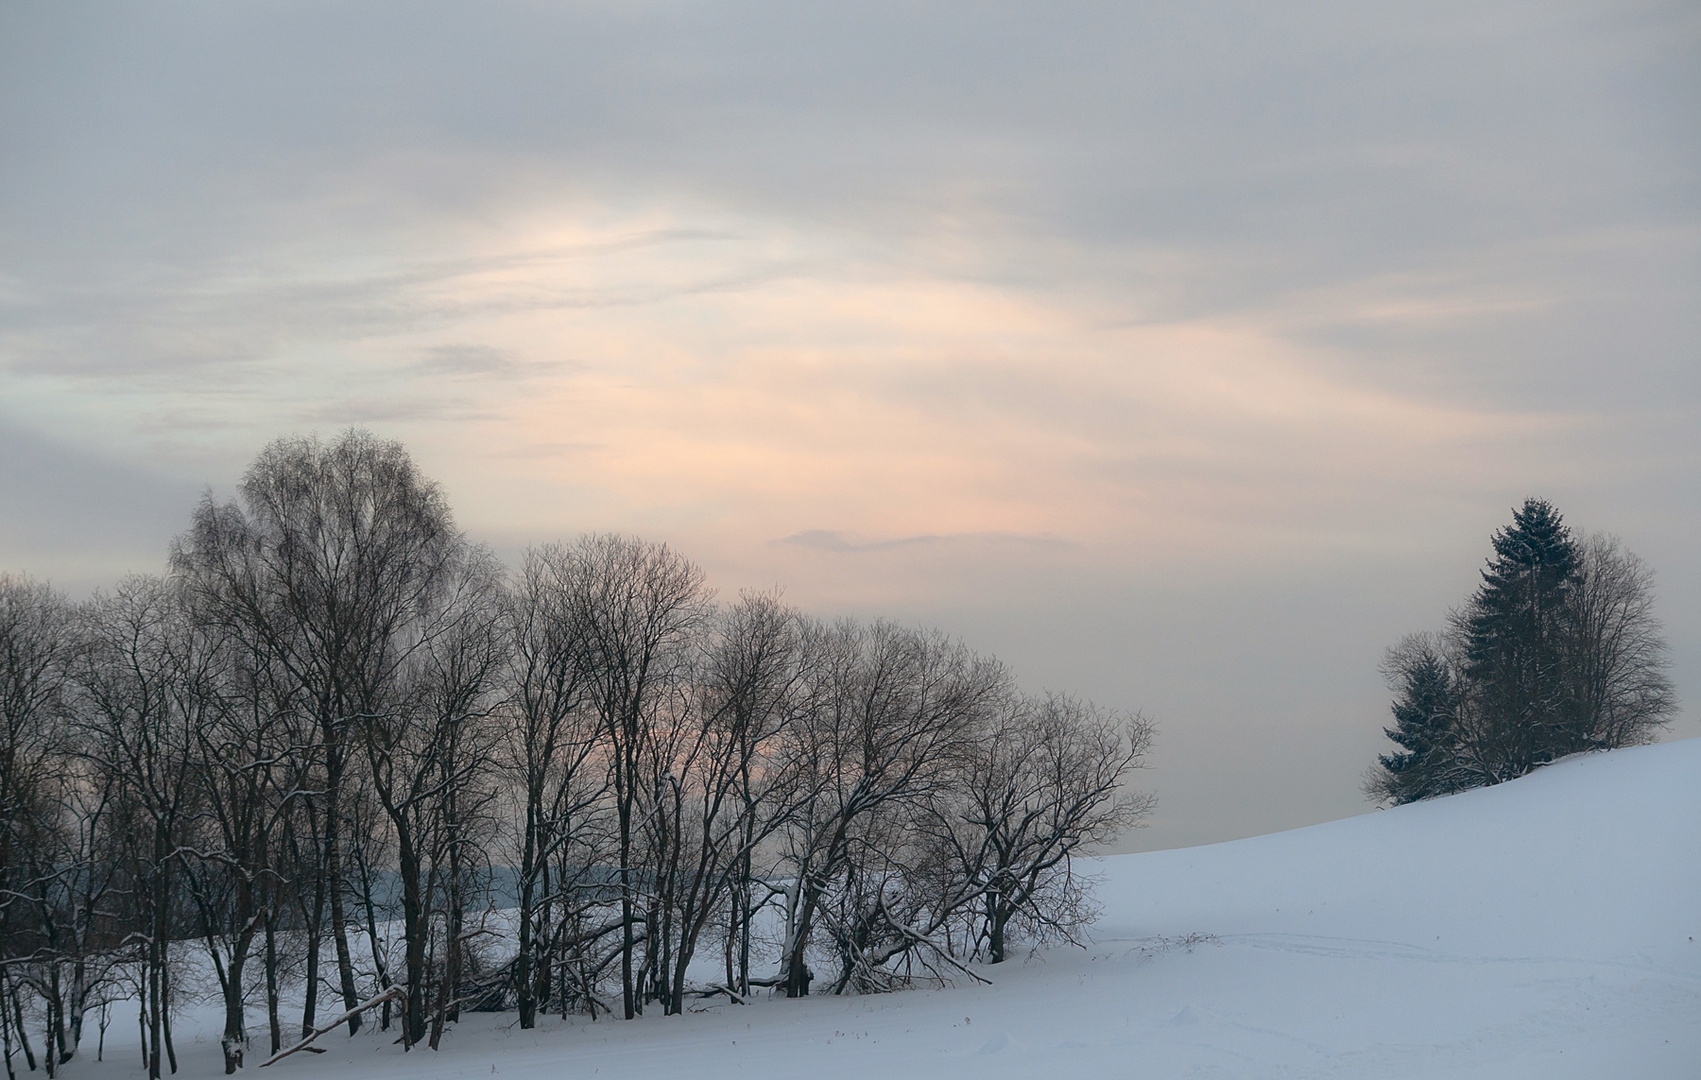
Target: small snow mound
1187	1016
999	1043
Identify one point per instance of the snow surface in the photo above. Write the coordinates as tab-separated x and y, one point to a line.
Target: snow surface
1542	928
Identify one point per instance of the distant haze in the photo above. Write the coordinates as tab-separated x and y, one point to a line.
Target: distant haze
1182	355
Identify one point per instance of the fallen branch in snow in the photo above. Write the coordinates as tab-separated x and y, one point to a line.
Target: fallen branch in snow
717	989
391	994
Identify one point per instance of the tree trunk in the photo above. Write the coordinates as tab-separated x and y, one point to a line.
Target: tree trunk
23	1032
79	1003
141	1015
524	992
797	971
272	1019
6	1038
235	1039
334	876
165	1018
456	927
339	935
546	941
379	966
447	1006
627	939
415	930
745	912
156	1053
315	942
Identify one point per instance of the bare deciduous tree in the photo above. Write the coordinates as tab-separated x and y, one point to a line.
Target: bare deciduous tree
330	558
1043	780
640	606
725	783
247	760
148	677
1619	658
559	778
883	717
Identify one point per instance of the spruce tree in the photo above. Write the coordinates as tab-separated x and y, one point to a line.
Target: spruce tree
1518	631
1424	716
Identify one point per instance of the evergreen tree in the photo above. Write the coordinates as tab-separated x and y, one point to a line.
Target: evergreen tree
1425	713
1518	631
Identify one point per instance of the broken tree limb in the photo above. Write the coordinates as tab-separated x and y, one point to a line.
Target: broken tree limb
391	994
717	989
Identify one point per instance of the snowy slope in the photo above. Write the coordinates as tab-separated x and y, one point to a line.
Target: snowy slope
1543	928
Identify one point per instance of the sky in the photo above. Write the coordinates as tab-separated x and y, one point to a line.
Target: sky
1184	356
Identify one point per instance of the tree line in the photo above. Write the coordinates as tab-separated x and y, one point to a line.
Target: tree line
343	760
1557	652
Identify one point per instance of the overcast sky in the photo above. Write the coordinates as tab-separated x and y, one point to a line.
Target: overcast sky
1182	355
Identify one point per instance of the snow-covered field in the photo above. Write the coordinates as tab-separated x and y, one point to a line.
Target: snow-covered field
1543	928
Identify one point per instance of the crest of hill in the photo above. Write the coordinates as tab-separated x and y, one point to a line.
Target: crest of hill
1597	856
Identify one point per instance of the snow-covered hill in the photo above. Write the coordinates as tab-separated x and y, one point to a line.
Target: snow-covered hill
1544	928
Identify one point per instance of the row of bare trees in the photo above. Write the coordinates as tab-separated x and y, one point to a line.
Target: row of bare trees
338	750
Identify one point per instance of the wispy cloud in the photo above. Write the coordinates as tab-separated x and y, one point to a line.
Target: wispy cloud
480	361
834	541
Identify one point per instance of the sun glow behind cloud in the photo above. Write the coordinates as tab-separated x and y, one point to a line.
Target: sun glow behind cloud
746	381
731	381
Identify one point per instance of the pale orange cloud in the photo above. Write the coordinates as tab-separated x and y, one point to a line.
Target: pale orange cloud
731	382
